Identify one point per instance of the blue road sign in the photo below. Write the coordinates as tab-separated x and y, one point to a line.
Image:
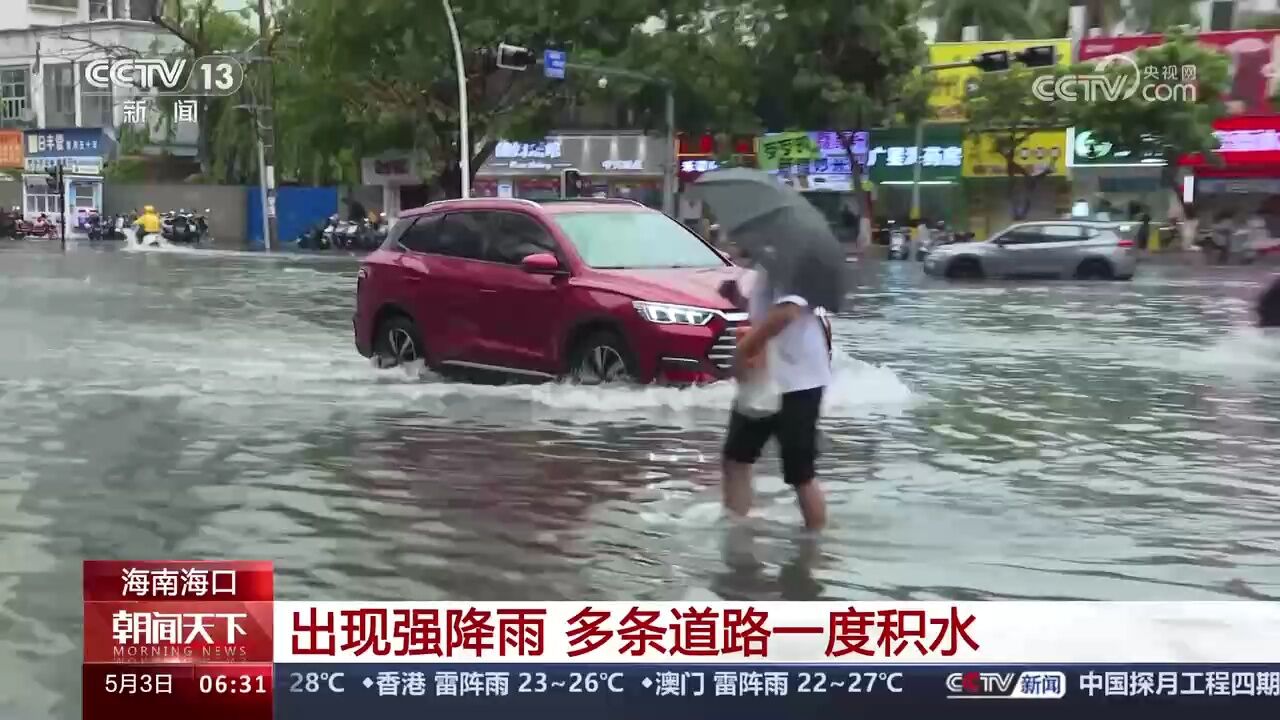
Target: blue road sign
553	62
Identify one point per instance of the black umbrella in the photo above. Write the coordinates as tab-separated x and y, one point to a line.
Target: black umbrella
780	229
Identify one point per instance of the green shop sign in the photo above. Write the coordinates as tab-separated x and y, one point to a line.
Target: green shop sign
1088	151
786	148
893	153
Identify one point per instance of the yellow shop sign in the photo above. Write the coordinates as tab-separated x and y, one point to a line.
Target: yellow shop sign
1043	150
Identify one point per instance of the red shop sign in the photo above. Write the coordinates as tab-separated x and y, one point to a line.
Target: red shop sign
1245	140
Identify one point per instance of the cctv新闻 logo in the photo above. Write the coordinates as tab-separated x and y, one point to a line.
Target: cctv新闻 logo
1028	684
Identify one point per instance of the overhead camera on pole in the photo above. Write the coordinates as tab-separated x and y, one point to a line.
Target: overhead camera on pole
514	57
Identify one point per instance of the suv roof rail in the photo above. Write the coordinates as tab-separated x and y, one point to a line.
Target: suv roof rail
607	201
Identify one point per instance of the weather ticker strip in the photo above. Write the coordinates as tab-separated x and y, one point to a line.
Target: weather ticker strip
206	639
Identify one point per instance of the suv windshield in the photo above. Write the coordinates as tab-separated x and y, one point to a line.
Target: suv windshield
635	240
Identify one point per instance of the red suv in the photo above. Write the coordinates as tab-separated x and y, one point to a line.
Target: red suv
589	290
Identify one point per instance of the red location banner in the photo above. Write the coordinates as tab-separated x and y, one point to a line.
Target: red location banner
190	692
183	637
178	581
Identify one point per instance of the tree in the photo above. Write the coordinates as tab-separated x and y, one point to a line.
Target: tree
995	19
699	34
1158	16
1004	113
1173	121
833	65
205	28
387	68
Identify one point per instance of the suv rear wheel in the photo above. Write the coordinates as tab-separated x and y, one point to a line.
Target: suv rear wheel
397	342
601	357
1094	269
965	268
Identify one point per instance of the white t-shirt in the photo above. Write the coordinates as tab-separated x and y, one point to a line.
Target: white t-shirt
798	357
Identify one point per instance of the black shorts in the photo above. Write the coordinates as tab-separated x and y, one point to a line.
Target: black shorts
796	427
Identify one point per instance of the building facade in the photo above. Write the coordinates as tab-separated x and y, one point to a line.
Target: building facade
45	46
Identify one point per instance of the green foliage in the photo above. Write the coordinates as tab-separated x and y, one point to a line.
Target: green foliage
126	170
1175	126
1004	113
387	68
832	65
995	19
1002	106
1157	16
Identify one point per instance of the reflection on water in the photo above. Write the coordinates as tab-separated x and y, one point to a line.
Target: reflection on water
1056	440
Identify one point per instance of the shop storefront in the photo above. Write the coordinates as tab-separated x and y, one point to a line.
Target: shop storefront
1043	188
698	154
623	166
891	165
399	175
1246	181
82	153
1122	176
12	165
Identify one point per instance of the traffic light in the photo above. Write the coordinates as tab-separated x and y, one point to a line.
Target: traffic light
993	61
514	57
570	183
1038	56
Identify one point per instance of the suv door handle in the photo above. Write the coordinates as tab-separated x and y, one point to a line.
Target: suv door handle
488	291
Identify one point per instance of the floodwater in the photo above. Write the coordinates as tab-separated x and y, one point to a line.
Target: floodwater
1021	440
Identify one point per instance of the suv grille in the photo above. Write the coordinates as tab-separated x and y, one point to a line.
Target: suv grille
724	347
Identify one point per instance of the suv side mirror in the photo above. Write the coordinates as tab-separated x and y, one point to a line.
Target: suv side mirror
540	264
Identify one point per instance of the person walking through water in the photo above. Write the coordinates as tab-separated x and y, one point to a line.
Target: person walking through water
786	358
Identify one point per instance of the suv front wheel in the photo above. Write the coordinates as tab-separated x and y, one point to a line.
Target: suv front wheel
397	343
600	358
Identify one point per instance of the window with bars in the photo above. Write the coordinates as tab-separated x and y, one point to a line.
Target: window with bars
59	95
41	199
13	96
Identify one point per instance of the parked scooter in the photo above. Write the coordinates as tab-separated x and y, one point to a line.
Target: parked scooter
184	226
43	227
93	226
9	222
899	245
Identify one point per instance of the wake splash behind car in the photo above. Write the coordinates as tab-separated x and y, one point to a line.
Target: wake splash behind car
589	290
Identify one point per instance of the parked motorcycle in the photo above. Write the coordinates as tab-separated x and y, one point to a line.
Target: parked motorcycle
184	226
313	238
9	222
899	243
43	227
93	226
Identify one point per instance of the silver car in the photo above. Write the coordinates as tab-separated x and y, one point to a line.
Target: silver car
1053	248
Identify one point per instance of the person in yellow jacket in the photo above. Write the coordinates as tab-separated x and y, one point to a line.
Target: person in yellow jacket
149	221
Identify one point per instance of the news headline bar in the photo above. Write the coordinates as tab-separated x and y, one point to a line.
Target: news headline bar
796	632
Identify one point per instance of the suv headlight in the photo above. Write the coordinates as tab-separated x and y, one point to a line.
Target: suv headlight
665	314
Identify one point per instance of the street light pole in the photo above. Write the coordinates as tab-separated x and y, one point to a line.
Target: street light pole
669	171
267	133
464	140
916	169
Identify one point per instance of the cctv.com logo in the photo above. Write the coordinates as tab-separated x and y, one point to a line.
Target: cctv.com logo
1123	85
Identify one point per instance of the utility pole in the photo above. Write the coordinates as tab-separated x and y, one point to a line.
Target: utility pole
267	126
